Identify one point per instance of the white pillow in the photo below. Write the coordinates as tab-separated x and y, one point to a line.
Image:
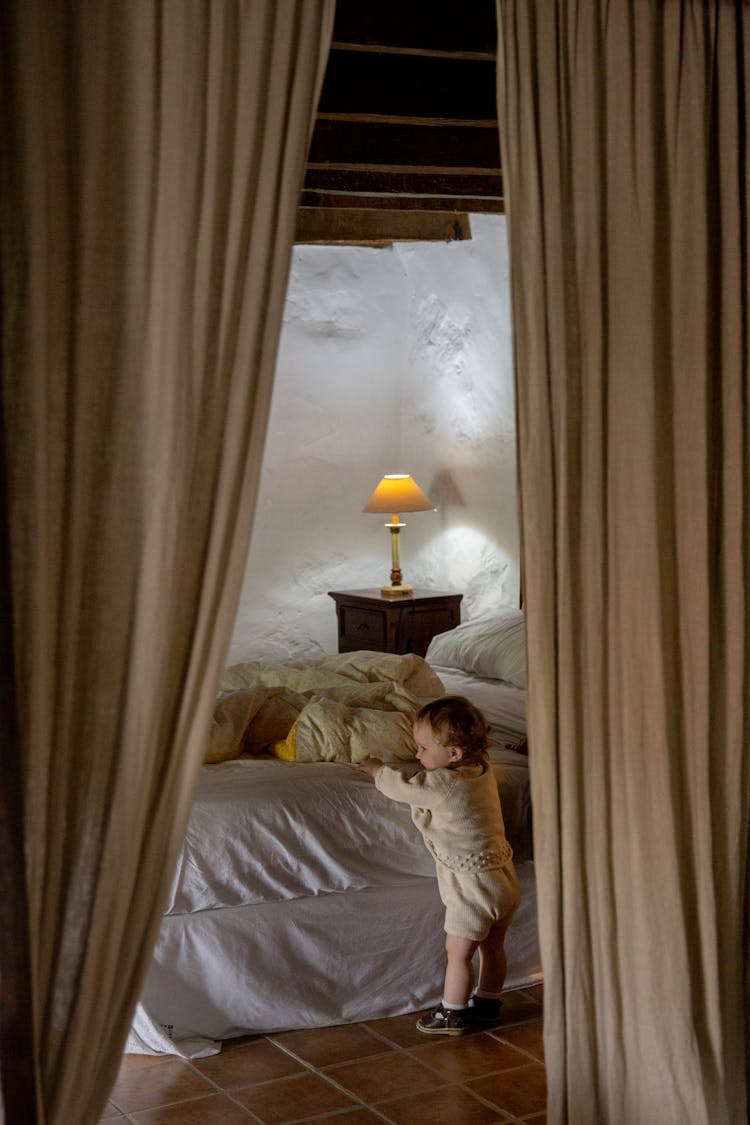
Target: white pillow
493	646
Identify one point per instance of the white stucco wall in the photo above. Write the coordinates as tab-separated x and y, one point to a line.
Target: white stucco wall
390	360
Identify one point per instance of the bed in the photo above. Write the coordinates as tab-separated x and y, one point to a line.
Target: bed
302	896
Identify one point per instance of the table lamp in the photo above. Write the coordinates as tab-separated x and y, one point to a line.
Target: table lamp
397	493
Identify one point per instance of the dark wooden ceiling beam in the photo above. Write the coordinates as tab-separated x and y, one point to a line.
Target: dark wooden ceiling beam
409	121
409	86
441	146
468	26
403	180
426	52
458	204
337	226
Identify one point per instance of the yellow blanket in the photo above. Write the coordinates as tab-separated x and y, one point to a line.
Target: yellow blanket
329	709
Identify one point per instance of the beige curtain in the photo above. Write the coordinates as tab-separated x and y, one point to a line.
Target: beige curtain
625	157
152	158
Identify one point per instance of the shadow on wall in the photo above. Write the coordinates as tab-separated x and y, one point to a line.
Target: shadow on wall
445	491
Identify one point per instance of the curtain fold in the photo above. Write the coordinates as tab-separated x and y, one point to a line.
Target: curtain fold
153	155
625	160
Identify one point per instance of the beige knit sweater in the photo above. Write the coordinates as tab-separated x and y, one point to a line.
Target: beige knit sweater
457	810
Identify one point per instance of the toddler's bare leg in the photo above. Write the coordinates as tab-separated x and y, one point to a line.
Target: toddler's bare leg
459	973
493	964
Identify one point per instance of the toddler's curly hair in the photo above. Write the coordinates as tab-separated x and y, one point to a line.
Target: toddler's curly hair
455	721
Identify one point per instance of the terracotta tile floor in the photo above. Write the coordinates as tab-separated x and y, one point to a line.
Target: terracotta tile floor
383	1070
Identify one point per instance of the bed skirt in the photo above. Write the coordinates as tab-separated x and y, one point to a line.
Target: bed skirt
310	962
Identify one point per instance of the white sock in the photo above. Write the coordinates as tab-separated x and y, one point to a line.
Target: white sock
483	992
453	1007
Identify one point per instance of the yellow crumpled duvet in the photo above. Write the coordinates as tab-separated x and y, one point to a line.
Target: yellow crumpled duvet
339	708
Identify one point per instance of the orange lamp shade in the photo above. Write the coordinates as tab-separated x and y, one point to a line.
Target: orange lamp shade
398	492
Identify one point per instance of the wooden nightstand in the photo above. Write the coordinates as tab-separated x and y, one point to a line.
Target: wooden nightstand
402	623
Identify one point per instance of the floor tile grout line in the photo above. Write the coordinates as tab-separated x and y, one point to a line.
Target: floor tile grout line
325	1074
528	1057
361	1103
515	1046
492	1032
227	1093
330	1115
252	1116
418	1046
321	1073
308	1066
378	1109
127	1116
161	1105
324	1071
463	1085
185	1101
440	1085
511	1118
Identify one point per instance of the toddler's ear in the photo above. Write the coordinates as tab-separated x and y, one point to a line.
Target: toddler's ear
456	753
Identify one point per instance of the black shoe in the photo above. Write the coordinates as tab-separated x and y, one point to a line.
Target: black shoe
444	1021
484	1010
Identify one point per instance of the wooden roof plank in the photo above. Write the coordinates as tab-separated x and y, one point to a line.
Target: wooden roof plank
464	146
408	86
402	179
468	26
459	204
335	226
423	52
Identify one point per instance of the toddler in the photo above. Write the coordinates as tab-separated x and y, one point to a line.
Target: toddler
455	805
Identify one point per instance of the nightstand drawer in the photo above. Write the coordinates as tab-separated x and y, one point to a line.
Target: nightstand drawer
361	628
417	628
405	623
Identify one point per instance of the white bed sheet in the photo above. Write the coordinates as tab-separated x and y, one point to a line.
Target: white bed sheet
502	704
269	831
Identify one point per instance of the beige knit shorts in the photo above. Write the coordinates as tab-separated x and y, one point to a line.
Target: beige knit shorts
476	902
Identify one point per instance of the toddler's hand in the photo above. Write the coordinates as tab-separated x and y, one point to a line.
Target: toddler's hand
370	766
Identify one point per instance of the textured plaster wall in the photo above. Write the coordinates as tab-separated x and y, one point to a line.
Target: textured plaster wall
390	360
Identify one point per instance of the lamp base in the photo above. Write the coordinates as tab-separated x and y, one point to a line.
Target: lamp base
393	591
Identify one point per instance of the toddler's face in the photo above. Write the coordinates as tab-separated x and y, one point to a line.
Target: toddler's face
430	751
